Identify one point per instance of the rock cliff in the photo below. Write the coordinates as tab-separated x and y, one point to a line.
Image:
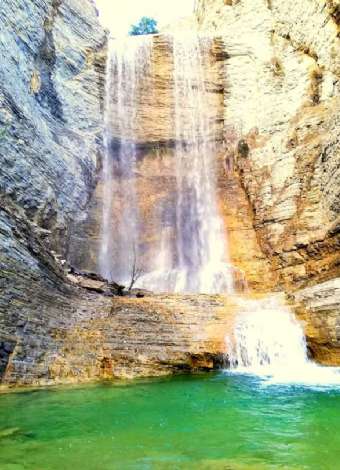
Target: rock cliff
50	109
274	78
94	338
51	91
281	129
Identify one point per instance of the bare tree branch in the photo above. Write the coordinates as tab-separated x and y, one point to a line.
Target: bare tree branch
136	271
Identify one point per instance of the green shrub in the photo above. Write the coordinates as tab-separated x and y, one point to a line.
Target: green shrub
146	25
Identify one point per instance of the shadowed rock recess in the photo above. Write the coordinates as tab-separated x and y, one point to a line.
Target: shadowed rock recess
274	80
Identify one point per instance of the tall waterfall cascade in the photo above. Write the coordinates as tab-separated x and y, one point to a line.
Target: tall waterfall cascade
119	236
190	253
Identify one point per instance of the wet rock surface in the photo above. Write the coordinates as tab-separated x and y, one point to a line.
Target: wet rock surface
318	307
93	337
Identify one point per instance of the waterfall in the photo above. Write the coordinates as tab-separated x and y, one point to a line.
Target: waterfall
198	260
201	243
128	61
269	342
190	252
261	333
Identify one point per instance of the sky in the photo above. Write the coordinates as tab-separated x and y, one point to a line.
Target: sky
119	15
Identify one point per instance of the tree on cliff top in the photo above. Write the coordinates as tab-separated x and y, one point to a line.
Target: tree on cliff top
145	25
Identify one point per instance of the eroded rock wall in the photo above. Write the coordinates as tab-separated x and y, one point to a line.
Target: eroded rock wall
281	116
129	338
50	139
282	103
318	308
50	109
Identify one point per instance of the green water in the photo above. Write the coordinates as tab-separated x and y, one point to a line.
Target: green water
200	422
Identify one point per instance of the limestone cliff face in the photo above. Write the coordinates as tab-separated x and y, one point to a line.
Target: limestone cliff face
318	308
123	339
50	109
281	130
50	128
282	100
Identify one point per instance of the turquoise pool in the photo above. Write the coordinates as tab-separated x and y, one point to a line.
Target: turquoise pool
213	421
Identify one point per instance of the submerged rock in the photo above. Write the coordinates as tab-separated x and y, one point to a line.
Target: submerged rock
8	433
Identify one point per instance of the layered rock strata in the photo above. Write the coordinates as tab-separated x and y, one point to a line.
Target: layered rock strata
318	309
51	74
281	131
51	61
281	126
97	339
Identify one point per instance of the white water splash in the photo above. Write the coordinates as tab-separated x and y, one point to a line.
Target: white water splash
269	342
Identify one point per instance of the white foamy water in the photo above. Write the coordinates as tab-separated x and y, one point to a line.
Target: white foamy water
269	342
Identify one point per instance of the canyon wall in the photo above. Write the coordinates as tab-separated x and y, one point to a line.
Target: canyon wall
274	78
281	118
281	131
51	119
51	61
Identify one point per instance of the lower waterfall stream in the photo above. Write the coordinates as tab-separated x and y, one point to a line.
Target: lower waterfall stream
267	341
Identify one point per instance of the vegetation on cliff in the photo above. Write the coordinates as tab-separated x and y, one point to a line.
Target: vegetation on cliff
145	25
